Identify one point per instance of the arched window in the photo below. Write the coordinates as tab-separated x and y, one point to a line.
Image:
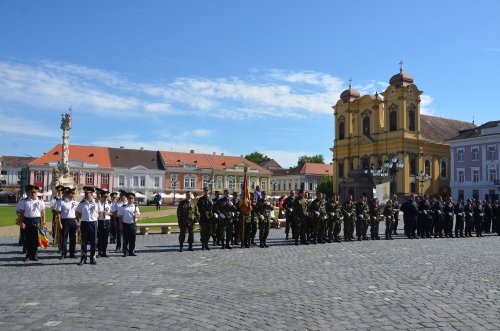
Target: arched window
444	169
427	167
341	130
365	164
366	125
412	118
393	118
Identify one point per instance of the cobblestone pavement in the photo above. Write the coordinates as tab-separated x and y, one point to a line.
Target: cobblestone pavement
378	285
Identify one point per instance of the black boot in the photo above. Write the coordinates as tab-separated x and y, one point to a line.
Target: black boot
190	247
227	244
296	241
180	247
265	243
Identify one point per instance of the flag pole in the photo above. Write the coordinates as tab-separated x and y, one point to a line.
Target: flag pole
243	207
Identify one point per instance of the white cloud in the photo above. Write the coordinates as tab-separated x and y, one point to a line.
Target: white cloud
425	102
158	108
25	126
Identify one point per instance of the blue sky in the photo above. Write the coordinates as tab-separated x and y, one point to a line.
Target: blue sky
231	76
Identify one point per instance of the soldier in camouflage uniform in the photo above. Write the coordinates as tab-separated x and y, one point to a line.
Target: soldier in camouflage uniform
236	219
335	218
318	219
226	211
348	208
360	216
263	211
288	206
300	218
187	214
389	219
253	220
214	222
374	219
205	208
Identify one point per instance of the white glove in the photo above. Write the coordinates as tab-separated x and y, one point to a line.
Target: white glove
232	214
221	215
267	203
230	203
261	217
316	213
290	209
216	216
325	217
360	215
332	214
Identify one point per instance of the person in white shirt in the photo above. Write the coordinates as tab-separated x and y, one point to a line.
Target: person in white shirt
128	216
66	215
119	233
56	224
103	224
32	212
86	216
112	230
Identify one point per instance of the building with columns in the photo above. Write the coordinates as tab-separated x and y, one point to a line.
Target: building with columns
475	162
373	130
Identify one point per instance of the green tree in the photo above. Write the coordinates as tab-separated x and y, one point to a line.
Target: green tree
326	185
311	159
256	157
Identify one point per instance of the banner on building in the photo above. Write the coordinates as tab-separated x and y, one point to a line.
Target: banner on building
383	192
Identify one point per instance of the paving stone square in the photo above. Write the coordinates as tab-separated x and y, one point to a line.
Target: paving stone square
445	284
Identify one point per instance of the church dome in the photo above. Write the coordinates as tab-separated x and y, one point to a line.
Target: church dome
350	94
401	79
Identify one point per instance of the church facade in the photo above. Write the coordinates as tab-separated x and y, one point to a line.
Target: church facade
384	138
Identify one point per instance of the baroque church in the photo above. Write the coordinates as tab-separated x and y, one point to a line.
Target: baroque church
383	138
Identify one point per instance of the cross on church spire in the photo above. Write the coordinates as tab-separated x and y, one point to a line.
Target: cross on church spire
350	81
400	65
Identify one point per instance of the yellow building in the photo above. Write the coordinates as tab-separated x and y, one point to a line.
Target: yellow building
372	130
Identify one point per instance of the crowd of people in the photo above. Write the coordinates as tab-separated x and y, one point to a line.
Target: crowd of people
227	220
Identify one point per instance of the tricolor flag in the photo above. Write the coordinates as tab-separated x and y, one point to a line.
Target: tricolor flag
43	240
245	203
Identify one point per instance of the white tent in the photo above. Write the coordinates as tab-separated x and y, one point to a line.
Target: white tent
163	195
139	195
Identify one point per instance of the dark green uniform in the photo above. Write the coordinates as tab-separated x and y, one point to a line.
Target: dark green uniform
334	222
288	206
349	217
263	211
374	221
318	220
300	220
361	219
187	213
236	220
226	211
205	208
389	221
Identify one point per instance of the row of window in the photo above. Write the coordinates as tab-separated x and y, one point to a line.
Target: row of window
190	182
393	121
476	175
138	181
474	152
365	163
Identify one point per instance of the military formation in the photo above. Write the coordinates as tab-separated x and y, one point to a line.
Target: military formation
226	220
92	222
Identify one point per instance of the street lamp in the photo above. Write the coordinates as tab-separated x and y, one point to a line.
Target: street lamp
174	184
393	165
273	183
422	177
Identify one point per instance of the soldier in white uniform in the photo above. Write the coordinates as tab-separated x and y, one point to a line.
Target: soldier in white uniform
128	214
32	212
66	212
103	224
22	241
117	221
86	216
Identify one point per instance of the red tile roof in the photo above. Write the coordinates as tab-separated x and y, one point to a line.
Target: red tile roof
89	154
207	161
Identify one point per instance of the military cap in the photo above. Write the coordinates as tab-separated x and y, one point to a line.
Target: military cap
187	192
226	190
131	195
69	190
205	188
31	188
60	188
123	193
114	194
104	192
217	192
88	189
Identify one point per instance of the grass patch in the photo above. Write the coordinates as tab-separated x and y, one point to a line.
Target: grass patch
8	215
163	219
